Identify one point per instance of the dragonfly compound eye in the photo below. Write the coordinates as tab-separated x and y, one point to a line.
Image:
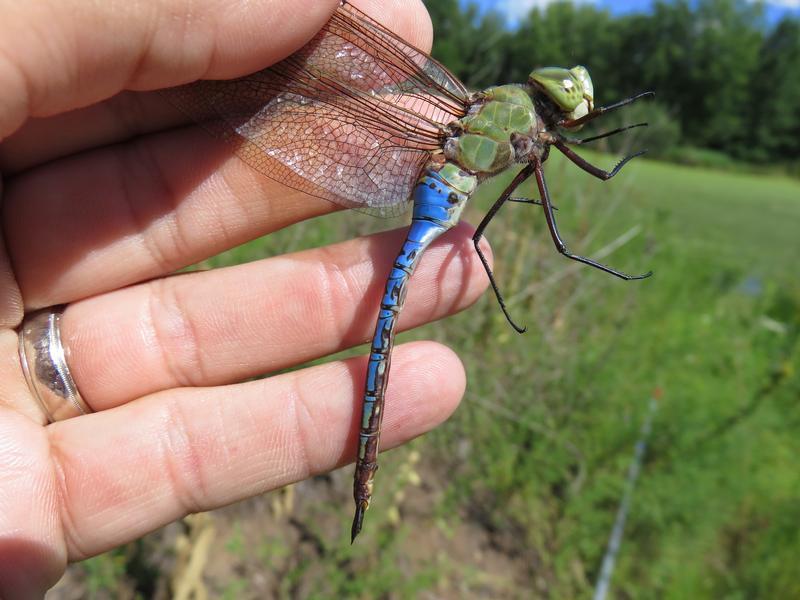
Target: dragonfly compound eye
588	87
562	86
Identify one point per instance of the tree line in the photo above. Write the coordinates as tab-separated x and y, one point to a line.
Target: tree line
724	81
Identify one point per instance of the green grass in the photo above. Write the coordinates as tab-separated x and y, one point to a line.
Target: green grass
537	454
716	329
522	485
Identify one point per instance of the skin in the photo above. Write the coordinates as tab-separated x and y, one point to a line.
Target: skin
106	192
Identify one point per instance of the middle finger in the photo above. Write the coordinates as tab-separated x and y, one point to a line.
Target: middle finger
220	326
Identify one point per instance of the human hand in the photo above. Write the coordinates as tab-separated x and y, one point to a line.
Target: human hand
103	198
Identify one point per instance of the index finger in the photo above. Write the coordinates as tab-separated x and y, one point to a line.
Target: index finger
83	53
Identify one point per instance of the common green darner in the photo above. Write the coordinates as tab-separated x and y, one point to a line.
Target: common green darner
363	119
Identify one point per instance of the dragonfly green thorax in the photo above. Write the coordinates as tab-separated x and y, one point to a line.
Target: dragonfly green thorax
513	123
488	140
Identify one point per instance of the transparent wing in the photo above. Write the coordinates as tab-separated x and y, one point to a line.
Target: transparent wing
352	117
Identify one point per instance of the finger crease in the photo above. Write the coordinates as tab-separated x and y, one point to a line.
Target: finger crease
144	47
140	161
176	335
301	414
129	111
68	522
21	95
339	296
182	462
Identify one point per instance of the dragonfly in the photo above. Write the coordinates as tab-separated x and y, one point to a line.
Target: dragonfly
362	118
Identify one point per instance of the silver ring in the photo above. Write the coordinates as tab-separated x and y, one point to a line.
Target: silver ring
44	362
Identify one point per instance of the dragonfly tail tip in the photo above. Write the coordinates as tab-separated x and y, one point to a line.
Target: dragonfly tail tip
358	521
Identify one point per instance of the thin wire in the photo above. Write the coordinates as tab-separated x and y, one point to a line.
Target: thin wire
615	540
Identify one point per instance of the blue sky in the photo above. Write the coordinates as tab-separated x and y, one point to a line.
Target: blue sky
516	9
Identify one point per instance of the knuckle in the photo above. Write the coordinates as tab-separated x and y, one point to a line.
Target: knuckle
176	334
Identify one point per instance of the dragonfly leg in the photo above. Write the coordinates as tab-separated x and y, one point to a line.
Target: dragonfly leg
437	208
559	243
530	201
607	134
592	115
585	165
476	238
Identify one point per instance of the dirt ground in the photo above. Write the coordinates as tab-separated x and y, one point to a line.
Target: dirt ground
292	543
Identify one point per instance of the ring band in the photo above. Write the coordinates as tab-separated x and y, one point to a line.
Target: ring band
44	362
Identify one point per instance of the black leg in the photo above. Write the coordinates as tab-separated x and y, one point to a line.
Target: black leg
505	196
594	138
582	163
560	245
591	116
529	201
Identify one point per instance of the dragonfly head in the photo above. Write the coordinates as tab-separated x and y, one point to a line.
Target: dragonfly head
570	89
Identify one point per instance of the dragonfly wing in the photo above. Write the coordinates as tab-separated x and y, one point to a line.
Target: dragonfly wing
355	48
317	142
352	117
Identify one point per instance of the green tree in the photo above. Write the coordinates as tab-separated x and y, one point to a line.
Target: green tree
699	60
472	47
453	30
727	85
775	93
727	44
565	35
